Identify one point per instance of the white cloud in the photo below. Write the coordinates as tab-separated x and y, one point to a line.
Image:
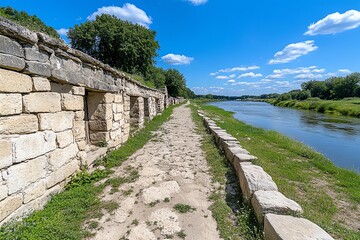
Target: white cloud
213	74
231	81
308	76
217	88
222	77
250	74
197	2
237	69
344	71
335	23
62	31
293	51
129	12
174	59
300	71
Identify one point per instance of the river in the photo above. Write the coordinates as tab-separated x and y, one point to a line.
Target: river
336	137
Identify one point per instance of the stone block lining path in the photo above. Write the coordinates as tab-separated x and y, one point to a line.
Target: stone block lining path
172	170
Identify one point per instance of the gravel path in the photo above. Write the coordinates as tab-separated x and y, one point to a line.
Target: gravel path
171	170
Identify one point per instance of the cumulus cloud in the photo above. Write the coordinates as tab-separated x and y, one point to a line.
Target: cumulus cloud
129	12
174	59
235	69
222	77
197	2
335	23
231	81
300	71
293	51
250	75
62	31
344	71
309	76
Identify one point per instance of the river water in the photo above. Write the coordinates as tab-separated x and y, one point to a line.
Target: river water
337	137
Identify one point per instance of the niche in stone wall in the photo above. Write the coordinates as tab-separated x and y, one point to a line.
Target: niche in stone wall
136	112
146	109
98	118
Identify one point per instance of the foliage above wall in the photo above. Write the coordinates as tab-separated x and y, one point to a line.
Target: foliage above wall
32	22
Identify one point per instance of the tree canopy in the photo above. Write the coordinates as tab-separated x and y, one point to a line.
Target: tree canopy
121	44
32	22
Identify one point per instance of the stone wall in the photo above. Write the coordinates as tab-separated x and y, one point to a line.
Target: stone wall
273	210
60	110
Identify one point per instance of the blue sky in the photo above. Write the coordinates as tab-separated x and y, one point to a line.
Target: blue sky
232	47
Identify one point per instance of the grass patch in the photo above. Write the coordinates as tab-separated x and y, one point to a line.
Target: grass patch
346	107
64	215
181	234
234	219
300	173
184	208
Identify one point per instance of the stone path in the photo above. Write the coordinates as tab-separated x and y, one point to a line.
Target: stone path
172	170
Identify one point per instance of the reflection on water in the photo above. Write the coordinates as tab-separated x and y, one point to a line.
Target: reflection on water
337	137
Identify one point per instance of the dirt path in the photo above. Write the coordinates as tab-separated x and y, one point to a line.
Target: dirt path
170	169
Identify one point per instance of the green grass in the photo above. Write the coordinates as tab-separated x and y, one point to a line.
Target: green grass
346	107
300	173
64	215
183	208
235	220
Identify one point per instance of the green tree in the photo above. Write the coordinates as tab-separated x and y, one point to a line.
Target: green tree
32	22
157	76
121	44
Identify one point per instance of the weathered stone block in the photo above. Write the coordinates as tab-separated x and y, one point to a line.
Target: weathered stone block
13	104
42	102
14	82
244	157
81	145
231	150
117	117
78	91
60	88
57	122
34	191
9	205
118	98
253	178
61	174
34	54
96	137
19	124
79	130
100	112
275	202
64	139
3	192
79	115
100	125
33	145
60	157
72	102
22	175
41	84
291	228
11	47
11	62
42	69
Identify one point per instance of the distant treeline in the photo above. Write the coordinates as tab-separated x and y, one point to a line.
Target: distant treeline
216	97
333	88
243	97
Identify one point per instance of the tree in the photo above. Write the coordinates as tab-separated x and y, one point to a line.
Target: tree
121	44
157	76
32	22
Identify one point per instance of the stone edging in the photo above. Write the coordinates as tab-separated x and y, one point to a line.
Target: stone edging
273	210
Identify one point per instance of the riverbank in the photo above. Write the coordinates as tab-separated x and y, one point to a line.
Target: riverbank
345	107
329	195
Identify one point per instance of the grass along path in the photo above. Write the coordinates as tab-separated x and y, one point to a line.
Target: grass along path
235	219
63	217
330	196
346	107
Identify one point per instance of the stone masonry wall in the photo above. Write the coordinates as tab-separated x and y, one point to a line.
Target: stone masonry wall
60	110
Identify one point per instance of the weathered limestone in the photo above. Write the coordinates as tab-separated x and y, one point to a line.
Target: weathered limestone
291	228
61	174
265	202
71	102
60	157
40	102
9	205
21	175
13	82
253	178
64	139
11	62
33	145
34	191
13	104
41	84
19	124
5	153
10	46
56	122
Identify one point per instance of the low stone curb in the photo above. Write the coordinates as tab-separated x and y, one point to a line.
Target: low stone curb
273	210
